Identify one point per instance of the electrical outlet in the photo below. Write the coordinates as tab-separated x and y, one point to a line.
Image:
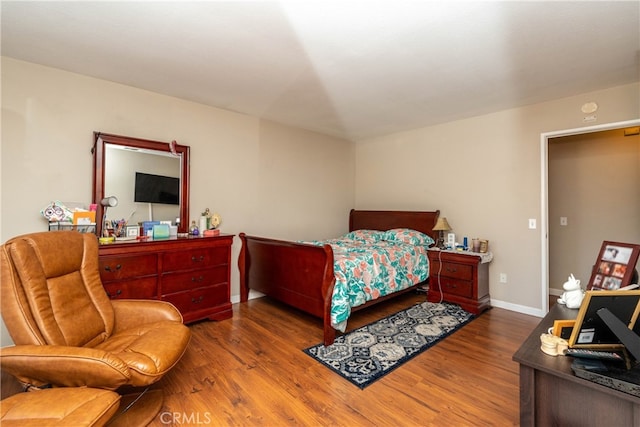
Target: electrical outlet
503	277
532	223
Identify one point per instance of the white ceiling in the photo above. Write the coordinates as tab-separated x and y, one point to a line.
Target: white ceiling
353	69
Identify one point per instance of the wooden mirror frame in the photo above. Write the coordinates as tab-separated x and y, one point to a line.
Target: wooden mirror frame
100	139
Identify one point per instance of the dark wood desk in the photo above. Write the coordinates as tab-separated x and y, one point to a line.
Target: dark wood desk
550	394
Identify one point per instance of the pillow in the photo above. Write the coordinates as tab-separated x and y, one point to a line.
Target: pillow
407	235
365	235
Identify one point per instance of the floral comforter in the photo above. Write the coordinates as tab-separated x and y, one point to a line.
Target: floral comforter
369	264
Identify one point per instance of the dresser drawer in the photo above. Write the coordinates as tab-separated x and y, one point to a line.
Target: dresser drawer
195	258
133	289
451	269
200	298
177	282
124	267
457	287
192	273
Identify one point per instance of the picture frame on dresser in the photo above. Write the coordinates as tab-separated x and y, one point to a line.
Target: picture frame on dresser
563	328
591	331
614	266
133	231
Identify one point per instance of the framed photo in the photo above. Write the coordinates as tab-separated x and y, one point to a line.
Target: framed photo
484	246
133	231
84	218
590	331
563	328
614	266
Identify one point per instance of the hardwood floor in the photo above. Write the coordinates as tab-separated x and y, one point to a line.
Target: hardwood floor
251	371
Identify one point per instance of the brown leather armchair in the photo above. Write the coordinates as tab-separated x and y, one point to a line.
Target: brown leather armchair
67	331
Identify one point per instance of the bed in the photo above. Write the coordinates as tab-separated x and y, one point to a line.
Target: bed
302	274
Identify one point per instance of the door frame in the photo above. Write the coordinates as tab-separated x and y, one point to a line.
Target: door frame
544	191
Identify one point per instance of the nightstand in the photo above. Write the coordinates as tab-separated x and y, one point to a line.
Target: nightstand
461	278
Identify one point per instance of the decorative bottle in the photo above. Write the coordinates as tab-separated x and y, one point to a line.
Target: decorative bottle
193	230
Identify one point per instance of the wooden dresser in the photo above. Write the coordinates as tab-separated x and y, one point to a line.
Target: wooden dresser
552	395
461	278
192	273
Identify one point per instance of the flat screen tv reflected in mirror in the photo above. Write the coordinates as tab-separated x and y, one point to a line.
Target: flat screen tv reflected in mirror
156	189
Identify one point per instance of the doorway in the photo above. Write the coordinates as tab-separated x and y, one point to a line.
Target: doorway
546	139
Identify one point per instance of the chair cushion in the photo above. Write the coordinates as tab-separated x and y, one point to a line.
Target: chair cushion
150	350
64	298
59	407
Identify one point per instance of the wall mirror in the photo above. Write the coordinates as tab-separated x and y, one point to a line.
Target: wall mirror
142	175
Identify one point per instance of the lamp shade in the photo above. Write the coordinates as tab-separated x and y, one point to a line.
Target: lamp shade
442	225
110	201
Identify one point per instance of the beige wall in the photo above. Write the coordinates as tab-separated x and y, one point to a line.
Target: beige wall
594	181
484	174
262	177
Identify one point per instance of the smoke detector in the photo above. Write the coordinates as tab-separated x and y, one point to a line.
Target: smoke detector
589	107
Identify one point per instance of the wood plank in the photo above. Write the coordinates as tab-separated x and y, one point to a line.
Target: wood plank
251	370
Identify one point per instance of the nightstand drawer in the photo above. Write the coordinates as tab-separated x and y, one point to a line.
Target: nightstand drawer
460	278
456	287
452	269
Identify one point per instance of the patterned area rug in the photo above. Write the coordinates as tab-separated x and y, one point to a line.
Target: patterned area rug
366	354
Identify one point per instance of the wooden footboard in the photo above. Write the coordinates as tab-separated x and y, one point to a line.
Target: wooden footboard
297	274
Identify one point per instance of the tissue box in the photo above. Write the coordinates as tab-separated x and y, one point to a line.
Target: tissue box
160	231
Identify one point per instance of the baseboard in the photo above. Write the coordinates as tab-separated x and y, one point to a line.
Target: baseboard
252	295
518	308
555	292
494	303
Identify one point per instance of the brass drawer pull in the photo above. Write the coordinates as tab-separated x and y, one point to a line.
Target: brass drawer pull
108	268
197	259
197	279
197	301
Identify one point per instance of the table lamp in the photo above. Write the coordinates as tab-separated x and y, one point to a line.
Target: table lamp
441	226
107	202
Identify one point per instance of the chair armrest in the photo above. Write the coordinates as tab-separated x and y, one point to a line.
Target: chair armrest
64	366
129	313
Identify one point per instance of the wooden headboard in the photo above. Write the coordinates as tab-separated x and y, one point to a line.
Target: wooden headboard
386	220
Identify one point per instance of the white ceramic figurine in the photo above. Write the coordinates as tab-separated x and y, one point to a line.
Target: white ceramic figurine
573	294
